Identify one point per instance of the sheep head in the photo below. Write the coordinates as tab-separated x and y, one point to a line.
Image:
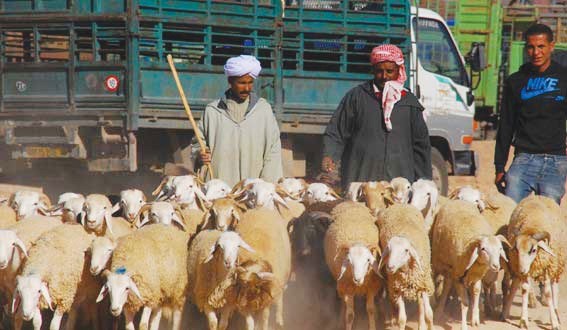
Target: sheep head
101	251
10	244
187	191
215	189
262	194
399	254
69	208
487	250
376	195
319	192
307	229
27	203
295	188
228	244
425	196
119	285
165	188
361	260
164	213
131	201
401	190
29	290
469	194
527	247
97	212
223	215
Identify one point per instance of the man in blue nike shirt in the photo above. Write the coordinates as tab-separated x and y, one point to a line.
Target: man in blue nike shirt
532	118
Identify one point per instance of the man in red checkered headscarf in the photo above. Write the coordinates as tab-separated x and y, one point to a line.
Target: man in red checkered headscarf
378	131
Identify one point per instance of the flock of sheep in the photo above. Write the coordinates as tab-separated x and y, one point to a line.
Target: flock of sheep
230	250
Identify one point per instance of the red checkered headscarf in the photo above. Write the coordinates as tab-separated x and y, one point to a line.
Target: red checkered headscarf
392	92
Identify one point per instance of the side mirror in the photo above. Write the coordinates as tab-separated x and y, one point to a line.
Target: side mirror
476	57
470	97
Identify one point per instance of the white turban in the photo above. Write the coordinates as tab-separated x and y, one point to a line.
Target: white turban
242	65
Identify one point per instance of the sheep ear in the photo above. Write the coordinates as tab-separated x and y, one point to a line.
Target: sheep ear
454	194
202	202
144	209
415	256
115	208
206	218
503	255
280	201
383	257
290	225
427	207
388	199
134	289
145	221
359	195
237	187
175	218
158	191
56	210
235	217
343	268
81	217
504	240
334	193
16	301
108	220
103	292
211	253
542	235
245	246
545	247
473	258
491	206
20	245
481	206
45	294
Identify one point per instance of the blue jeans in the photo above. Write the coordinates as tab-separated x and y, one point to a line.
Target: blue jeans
541	173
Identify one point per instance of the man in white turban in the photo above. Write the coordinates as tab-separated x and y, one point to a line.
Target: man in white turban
240	129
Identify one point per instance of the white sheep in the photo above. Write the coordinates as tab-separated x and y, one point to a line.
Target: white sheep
351	247
162	212
319	192
406	257
353	191
8	216
469	194
215	189
187	192
27	203
151	266
212	255
131	201
68	206
262	194
56	270
425	197
294	187
97	218
537	232
401	190
463	249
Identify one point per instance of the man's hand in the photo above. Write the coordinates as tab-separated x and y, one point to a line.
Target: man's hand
500	182
328	165
205	157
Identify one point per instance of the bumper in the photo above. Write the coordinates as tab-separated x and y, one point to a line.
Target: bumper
466	162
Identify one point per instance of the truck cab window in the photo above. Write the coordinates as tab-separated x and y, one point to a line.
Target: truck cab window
437	51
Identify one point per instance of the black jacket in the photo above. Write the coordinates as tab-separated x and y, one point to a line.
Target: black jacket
532	113
357	137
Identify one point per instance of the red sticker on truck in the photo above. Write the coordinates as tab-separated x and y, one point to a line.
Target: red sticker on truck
111	83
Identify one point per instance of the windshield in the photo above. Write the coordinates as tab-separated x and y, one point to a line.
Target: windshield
437	52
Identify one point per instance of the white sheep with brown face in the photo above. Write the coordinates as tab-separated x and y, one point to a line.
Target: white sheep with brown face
319	192
401	190
27	203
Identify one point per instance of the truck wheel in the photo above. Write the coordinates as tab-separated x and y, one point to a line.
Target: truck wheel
440	175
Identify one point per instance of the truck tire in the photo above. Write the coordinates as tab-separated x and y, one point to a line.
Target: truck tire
440	175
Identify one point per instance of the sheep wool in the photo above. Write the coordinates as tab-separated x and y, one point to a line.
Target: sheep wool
498	211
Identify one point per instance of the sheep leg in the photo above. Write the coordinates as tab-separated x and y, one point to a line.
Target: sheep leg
447	286
37	320
428	310
402	316
224	318
56	320
555	295
349	311
475	322
279	313
155	318
509	299
548	296
421	313
525	298
265	318
249	322
176	319
532	300
212	319
129	319
463	294
371	311
145	318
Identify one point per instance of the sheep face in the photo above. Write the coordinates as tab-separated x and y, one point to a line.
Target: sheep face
67	196
215	189
488	251
295	188
228	243
131	201
308	230
263	194
376	195
225	214
469	194
29	289
165	213
101	251
9	246
401	190
97	210
186	190
361	260
319	192
398	254
72	208
118	287
527	247
27	203
424	195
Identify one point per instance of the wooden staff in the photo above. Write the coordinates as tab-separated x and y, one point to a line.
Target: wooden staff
188	109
